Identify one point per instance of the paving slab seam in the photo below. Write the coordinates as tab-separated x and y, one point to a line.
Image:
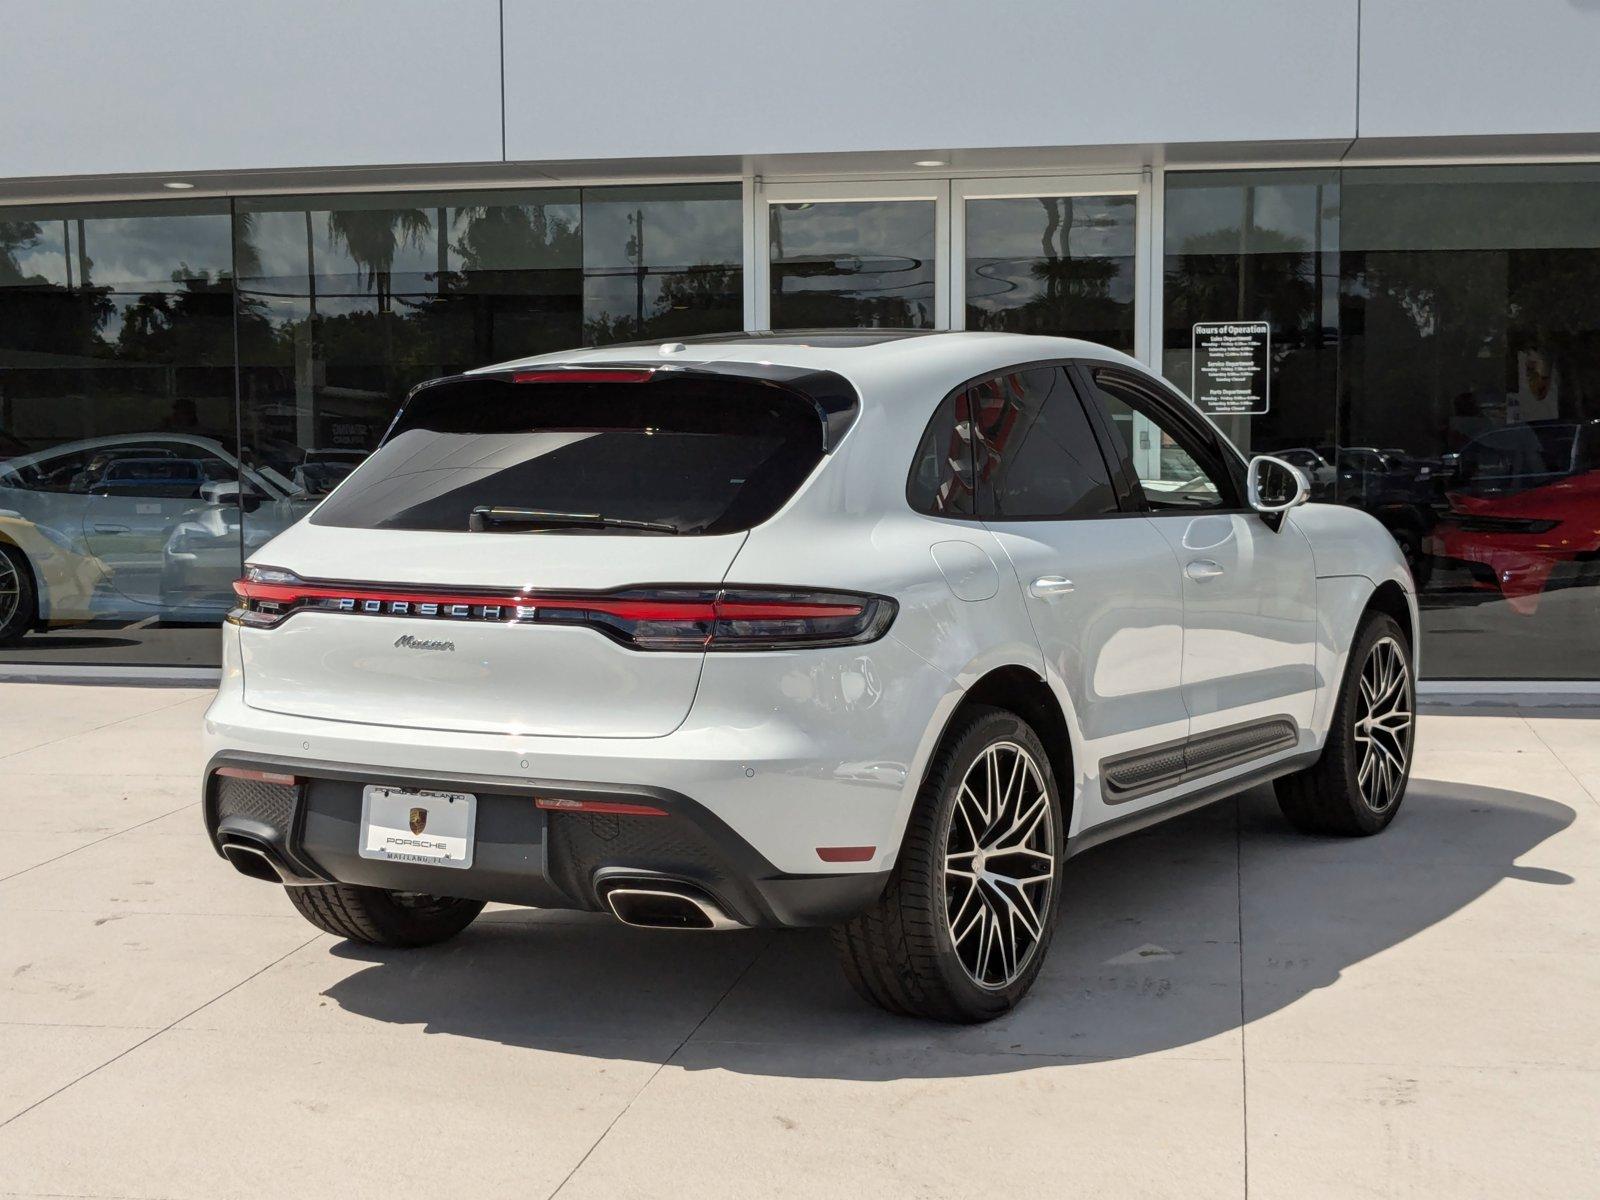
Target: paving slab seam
67	853
67	737
69	1025
146	1041
662	1066
1571	774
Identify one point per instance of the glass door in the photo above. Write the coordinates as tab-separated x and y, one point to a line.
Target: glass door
1060	255
1063	256
853	256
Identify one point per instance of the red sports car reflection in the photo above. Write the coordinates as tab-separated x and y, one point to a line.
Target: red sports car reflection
1531	503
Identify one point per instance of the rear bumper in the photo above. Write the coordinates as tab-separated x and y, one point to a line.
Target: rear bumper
795	753
784	759
523	854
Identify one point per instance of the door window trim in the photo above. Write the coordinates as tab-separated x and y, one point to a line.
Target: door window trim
1216	455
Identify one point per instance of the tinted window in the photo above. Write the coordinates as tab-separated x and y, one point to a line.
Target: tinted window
1035	451
941	476
1174	468
700	456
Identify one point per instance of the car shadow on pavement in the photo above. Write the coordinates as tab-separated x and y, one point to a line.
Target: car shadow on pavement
1157	932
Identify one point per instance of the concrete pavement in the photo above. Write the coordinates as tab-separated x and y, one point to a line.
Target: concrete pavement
1229	1009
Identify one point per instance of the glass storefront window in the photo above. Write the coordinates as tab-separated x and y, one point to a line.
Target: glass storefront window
662	262
135	466
1057	265
119	527
853	264
1435	362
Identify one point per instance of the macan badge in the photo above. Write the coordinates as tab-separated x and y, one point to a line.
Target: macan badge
419	820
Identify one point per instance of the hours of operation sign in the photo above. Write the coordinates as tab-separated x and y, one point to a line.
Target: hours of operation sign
1230	376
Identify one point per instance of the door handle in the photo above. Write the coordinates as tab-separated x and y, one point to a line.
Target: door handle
1202	569
111	529
1048	587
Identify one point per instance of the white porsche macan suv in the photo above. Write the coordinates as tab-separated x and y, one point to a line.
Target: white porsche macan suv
867	630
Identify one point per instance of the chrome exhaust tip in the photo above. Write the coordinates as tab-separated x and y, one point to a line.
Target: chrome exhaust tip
649	903
252	861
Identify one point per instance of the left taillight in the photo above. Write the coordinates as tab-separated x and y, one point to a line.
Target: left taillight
266	595
678	617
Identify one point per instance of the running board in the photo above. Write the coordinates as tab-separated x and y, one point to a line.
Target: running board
1127	777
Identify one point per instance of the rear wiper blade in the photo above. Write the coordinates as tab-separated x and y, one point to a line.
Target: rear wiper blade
485	518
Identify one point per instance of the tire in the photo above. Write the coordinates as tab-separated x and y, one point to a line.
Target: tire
904	953
1356	787
19	600
380	917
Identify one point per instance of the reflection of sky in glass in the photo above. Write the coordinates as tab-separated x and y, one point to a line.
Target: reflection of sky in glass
895	228
676	234
1005	240
552	229
509	240
1014	228
137	254
886	245
1204	212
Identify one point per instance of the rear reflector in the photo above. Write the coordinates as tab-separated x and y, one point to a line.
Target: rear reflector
846	853
563	804
258	776
674	617
590	375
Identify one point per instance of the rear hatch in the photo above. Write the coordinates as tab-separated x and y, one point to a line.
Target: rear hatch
539	553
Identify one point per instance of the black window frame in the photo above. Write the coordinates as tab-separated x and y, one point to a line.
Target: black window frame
1215	456
1092	414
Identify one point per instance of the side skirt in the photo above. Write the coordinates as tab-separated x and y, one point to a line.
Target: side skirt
1210	793
1129	776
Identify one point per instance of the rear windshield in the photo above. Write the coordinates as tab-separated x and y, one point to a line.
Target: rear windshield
680	455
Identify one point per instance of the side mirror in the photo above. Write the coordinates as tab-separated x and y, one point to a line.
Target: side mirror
1275	486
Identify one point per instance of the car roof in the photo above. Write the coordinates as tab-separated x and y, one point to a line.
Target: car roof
875	360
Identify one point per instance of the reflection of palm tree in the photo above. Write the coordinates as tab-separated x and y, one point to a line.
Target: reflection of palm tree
16	236
373	236
516	237
246	257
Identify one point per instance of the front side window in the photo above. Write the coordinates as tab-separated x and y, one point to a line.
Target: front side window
1035	452
1175	469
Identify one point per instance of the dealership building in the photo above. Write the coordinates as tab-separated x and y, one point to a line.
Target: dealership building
1363	234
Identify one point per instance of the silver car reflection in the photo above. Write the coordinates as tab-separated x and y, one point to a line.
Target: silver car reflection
160	516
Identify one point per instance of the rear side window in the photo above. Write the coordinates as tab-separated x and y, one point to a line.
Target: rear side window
1036	454
941	476
1016	446
685	455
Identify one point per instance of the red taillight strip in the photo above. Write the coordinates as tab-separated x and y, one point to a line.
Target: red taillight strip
289	594
589	375
257	776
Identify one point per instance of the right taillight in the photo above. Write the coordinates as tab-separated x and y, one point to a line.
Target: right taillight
730	619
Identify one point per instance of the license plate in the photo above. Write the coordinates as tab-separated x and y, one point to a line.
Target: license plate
403	825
